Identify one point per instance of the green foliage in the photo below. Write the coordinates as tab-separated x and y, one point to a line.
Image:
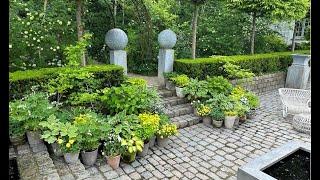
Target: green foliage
31	110
196	89
136	81
218	84
112	146
20	82
37	37
258	64
74	53
235	72
167	130
217	114
220	101
69	138
269	43
149	125
180	80
130	98
50	129
169	75
253	100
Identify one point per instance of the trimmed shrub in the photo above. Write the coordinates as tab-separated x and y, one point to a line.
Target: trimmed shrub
258	64
20	82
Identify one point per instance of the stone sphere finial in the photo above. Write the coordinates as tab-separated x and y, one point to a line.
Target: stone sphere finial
116	39
167	39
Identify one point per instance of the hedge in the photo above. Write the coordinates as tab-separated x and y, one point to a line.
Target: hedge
258	64
20	82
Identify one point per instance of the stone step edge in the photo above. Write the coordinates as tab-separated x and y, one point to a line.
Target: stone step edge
186	123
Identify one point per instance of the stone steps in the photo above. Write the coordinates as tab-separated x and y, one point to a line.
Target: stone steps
173	100
179	110
186	120
166	93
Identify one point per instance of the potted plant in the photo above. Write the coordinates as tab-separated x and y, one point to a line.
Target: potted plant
204	111
131	146
217	117
253	103
90	130
68	140
149	126
50	132
166	130
180	81
167	80
112	149
33	109
230	117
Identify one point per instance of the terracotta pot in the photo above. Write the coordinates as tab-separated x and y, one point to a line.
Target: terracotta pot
217	123
229	121
71	158
18	140
89	157
207	120
114	161
169	85
34	137
162	142
152	141
144	150
55	148
128	157
179	92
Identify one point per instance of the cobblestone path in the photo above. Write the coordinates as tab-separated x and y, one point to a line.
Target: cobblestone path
197	152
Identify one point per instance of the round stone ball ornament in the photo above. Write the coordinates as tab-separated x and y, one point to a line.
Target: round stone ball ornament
167	39
116	39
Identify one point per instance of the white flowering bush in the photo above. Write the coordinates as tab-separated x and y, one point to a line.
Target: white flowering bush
37	37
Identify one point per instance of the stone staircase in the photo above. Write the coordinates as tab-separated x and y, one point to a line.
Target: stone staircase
178	109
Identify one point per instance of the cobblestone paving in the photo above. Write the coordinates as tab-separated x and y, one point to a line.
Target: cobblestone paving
200	151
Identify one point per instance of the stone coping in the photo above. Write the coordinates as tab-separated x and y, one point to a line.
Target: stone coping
253	169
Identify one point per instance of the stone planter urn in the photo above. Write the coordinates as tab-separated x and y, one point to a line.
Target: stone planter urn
229	121
162	142
179	92
71	158
144	150
152	141
298	72
207	120
89	157
54	147
114	161
129	157
18	140
216	123
34	137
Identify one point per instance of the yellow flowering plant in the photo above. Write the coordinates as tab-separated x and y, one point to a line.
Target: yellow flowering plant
203	110
167	130
149	125
69	138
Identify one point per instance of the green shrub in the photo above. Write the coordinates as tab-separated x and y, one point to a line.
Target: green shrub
20	82
258	64
180	80
196	89
218	84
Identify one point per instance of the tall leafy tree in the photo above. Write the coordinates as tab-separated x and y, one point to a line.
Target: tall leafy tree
274	9
196	5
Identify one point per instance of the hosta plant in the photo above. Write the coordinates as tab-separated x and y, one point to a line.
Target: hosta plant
196	89
135	144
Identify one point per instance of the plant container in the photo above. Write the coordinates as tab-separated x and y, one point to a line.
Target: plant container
89	157
145	149
207	120
162	142
129	157
71	158
216	123
114	161
229	121
179	92
152	141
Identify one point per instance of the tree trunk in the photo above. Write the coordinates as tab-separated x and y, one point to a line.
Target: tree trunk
80	27
293	44
194	30
254	18
45	6
115	13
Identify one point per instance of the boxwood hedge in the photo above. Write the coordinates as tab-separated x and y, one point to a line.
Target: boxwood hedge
21	82
258	64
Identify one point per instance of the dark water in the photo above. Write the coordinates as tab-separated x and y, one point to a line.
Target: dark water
294	167
13	170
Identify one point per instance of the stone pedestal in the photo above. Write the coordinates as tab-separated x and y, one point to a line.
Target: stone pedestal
119	57
298	72
165	62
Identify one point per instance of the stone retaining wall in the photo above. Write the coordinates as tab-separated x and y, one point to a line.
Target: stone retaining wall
264	83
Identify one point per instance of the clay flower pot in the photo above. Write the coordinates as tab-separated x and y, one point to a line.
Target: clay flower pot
71	158
144	150
152	141
129	157
114	161
89	157
229	121
216	123
162	142
18	140
207	120
34	137
179	92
